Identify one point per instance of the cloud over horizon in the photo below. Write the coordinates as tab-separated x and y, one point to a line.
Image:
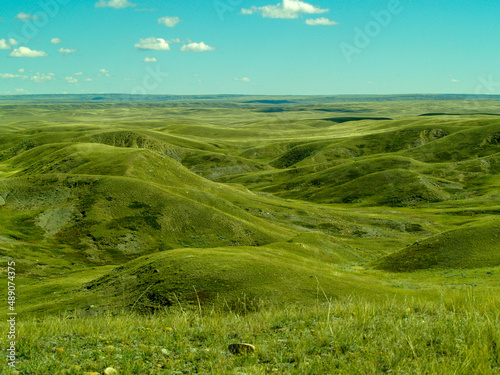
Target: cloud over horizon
321	21
25	17
42	77
286	9
169	21
196	47
116	4
26	52
71	80
152	43
8	43
66	51
9	75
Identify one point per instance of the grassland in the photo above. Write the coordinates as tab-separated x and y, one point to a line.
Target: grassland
338	237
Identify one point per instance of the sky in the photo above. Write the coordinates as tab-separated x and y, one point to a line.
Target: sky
257	47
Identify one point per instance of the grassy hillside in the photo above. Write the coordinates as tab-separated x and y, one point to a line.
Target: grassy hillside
475	245
335	235
355	336
245	197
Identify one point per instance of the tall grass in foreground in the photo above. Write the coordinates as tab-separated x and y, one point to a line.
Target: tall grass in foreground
456	335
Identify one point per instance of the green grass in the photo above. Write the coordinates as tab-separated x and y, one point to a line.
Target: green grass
306	226
457	334
473	246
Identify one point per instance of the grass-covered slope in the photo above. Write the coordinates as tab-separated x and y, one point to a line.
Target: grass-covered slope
398	163
354	336
474	245
116	218
245	198
223	275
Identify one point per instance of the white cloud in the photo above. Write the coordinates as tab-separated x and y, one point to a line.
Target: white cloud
88	79
26	52
21	70
71	80
455	80
7	44
196	47
169	21
8	75
66	51
55	41
321	21
4	44
150	59
286	9
42	77
175	40
117	4
78	74
155	44
244	79
105	72
25	17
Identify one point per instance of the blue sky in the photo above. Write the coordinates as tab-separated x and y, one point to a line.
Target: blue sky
267	47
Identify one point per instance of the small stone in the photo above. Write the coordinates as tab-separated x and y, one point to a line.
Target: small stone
240	348
165	352
110	371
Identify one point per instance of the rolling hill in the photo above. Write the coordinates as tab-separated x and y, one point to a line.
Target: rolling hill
152	204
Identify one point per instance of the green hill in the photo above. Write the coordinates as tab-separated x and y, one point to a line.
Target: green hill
248	274
474	245
243	199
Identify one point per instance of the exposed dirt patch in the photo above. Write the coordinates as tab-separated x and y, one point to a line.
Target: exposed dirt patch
129	244
53	220
493	139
